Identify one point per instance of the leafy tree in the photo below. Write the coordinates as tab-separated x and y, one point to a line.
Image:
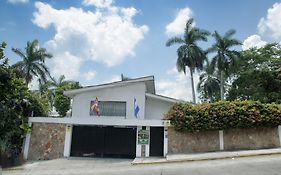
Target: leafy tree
62	102
225	59
189	53
14	94
48	89
33	63
38	105
257	77
208	85
258	85
265	58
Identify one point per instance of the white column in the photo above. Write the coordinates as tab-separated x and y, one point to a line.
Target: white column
279	132
221	140
147	146
26	143
165	146
67	140
138	147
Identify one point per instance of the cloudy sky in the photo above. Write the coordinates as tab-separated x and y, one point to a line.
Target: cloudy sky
94	41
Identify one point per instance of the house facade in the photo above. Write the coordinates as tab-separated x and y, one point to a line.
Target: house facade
119	119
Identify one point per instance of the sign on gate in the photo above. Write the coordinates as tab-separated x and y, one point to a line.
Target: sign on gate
143	137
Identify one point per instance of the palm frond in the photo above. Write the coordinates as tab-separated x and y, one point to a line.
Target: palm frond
174	40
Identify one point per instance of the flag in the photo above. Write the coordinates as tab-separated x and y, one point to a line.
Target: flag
136	108
95	106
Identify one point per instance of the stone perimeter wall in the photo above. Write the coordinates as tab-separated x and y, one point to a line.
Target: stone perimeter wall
185	142
46	141
233	139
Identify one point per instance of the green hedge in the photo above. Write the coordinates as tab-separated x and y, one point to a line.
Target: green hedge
223	115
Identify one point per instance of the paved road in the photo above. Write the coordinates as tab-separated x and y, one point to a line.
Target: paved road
261	165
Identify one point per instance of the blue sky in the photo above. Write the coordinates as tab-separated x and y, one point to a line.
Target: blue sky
94	41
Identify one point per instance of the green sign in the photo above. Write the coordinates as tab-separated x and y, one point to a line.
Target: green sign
143	137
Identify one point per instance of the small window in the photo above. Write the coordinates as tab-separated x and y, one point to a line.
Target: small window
111	108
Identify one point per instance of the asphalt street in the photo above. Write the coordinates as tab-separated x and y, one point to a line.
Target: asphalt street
259	165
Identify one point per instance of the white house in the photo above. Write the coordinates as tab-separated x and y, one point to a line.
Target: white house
127	121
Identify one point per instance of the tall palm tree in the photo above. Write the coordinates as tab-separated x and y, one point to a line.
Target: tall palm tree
33	63
189	53
225	58
209	83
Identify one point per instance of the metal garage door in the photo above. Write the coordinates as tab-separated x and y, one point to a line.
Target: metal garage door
103	141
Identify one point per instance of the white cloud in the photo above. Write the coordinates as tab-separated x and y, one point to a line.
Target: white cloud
271	24
177	26
105	36
65	64
253	41
98	3
176	85
18	1
89	75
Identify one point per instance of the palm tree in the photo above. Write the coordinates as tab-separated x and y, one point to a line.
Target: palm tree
33	63
209	83
48	88
189	53
225	58
59	82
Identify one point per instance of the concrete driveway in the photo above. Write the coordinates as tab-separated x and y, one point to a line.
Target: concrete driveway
260	165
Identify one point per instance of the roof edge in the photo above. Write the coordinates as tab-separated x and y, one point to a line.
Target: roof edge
72	92
163	98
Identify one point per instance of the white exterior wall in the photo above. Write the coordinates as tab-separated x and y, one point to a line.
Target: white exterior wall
155	108
81	102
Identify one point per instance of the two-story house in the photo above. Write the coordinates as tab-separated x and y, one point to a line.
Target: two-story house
119	119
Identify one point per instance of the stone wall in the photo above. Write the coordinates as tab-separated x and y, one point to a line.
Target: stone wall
241	139
185	142
46	141
233	139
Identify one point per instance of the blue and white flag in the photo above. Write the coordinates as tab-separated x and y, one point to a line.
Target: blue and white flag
136	108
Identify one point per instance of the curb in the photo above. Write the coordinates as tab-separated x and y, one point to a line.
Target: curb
204	159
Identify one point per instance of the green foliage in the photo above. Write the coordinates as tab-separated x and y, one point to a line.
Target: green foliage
62	102
13	101
265	58
257	77
38	105
258	85
224	115
189	53
33	63
226	58
209	84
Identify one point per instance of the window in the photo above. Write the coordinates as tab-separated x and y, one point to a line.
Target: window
110	108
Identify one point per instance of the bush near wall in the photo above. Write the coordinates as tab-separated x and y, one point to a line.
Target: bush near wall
223	115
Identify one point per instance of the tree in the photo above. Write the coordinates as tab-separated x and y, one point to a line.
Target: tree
257	76
48	88
225	59
14	94
209	84
59	82
258	85
189	53
62	102
33	63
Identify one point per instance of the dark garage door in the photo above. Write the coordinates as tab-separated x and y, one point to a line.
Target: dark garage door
103	141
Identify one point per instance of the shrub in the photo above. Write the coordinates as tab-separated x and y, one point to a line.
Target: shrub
223	115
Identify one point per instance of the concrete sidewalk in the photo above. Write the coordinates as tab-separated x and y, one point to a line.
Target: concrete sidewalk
174	158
